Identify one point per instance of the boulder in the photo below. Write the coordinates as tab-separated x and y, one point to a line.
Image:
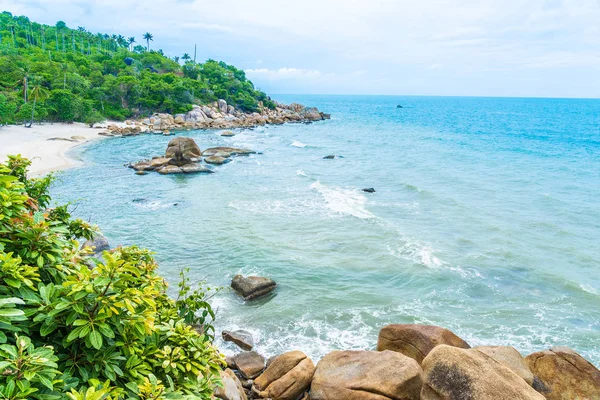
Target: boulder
369	190
97	245
329	157
252	287
179	120
170	169
216	160
287	377
231	150
232	387
158	162
193	168
227	134
454	373
249	363
416	341
222	106
142	166
240	337
564	374
510	357
230	109
186	146
366	375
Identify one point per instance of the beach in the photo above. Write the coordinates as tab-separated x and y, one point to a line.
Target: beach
46	145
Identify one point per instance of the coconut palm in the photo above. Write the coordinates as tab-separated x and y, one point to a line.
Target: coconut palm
38	92
185	56
148	37
130	42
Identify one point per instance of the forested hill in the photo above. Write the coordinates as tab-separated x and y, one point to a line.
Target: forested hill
57	73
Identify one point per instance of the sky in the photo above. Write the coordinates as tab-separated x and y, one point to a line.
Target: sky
529	48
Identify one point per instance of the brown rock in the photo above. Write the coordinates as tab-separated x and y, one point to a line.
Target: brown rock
249	363
227	134
468	374
187	146
287	377
195	168
231	150
564	374
510	357
216	160
142	166
170	169
416	341
252	287
366	375
240	337
159	162
232	388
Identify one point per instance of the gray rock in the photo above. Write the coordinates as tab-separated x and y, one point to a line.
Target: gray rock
232	388
252	287
249	363
216	160
97	244
369	190
240	337
222	106
195	168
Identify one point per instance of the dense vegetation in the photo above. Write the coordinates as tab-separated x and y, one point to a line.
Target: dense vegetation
90	328
60	74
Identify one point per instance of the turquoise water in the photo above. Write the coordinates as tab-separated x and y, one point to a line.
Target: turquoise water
486	220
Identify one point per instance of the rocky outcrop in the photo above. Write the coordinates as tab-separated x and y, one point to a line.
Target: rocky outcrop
287	377
227	151
366	375
564	374
416	341
184	146
468	374
241	338
232	388
252	287
249	363
510	357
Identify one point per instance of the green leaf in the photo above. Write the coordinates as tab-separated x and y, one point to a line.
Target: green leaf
11	301
96	339
11	312
45	330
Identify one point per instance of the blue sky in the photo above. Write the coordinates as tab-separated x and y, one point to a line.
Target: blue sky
546	48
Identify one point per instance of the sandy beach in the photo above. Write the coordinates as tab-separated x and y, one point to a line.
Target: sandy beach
46	145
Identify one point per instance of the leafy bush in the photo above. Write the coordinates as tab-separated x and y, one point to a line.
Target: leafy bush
90	328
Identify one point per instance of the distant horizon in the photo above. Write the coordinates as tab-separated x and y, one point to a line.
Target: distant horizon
468	48
434	95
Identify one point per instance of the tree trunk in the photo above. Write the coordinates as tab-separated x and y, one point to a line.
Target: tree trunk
32	113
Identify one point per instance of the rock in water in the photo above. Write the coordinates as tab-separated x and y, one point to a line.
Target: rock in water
187	146
565	374
231	150
249	363
287	377
216	160
329	157
232	387
467	374
242	338
510	357
398	106
366	375
227	134
252	287
416	341
97	245
369	190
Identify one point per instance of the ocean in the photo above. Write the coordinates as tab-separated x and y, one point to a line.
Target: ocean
485	220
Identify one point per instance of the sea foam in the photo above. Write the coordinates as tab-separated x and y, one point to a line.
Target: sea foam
344	201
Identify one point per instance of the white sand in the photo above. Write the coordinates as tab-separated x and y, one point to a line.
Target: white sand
46	155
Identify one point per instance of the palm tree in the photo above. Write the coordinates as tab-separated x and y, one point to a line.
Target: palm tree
176	59
131	41
185	56
148	37
38	92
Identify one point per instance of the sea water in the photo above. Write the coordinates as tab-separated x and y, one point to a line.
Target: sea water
485	220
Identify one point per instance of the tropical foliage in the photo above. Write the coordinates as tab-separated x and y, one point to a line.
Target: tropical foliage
82	74
76	326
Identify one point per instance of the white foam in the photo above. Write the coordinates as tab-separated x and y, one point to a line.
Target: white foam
590	289
152	205
300	172
344	201
296	143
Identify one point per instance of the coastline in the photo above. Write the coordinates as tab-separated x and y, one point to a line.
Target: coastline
46	145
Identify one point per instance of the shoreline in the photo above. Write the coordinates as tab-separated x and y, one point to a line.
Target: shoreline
46	145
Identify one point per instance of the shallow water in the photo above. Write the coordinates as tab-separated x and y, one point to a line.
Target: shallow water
485	220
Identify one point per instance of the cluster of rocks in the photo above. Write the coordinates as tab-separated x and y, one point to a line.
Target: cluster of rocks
218	115
411	362
183	156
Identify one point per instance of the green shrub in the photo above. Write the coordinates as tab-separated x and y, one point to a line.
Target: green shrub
88	328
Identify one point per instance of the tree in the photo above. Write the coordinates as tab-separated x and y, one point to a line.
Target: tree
38	92
148	37
60	25
130	42
185	56
7	110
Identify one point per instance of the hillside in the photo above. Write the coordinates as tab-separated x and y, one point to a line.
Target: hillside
57	73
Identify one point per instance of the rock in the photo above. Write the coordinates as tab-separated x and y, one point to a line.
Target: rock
195	168
97	245
454	373
416	341
141	172
249	363
179	120
216	160
366	375
222	106
287	377
158	162
329	157
227	134
186	146
231	150
252	287
312	114
78	137
564	374
232	388
240	337
510	357
166	132
369	190
170	169
142	166
398	106
230	362
230	109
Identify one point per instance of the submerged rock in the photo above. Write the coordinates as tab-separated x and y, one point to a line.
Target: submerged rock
287	377
231	150
366	375
369	190
252	287
240	337
416	341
